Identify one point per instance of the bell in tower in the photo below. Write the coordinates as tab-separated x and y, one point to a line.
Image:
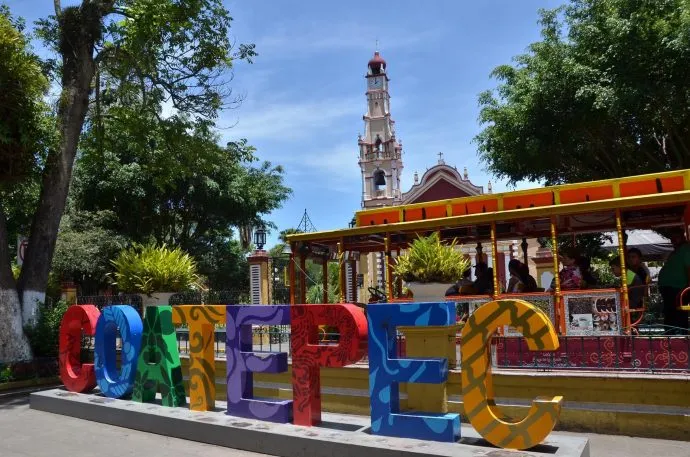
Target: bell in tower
379	179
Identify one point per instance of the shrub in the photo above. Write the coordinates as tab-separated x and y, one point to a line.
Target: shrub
151	268
428	259
6	374
44	334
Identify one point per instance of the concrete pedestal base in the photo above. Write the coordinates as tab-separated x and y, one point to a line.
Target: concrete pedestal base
340	434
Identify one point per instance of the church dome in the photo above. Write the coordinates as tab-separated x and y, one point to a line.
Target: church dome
377	64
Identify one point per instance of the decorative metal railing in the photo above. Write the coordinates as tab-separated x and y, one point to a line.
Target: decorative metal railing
651	354
212	297
646	354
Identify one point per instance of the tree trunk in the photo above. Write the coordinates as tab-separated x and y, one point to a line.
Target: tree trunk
13	342
80	28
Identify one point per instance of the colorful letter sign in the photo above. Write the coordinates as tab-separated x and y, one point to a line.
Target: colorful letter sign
76	376
242	362
201	321
308	355
127	320
159	366
158	369
477	387
386	371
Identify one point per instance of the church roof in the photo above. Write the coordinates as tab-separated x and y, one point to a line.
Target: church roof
441	182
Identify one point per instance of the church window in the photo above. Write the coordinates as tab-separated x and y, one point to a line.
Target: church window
378	143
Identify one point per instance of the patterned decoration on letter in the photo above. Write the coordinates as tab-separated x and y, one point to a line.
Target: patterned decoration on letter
159	367
242	362
201	321
308	355
76	376
386	371
477	386
126	319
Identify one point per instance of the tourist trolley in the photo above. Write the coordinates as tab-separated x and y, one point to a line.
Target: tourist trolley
639	202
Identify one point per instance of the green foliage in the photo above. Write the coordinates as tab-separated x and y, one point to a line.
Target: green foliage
21	102
603	94
150	268
44	335
170	181
315	283
27	129
428	259
224	265
6	374
588	245
84	246
604	274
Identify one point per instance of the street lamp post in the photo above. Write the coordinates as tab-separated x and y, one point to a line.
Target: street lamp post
260	238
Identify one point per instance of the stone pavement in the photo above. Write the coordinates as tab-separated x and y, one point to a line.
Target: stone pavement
29	433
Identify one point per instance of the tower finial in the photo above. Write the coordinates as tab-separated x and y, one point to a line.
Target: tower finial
377	45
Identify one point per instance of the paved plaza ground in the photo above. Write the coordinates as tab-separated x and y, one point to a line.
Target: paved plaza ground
28	433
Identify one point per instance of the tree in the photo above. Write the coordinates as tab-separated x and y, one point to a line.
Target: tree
85	246
176	51
603	94
171	182
22	115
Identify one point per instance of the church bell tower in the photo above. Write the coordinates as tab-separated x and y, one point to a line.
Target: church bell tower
380	154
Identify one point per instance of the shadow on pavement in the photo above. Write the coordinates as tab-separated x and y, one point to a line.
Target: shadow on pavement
13	402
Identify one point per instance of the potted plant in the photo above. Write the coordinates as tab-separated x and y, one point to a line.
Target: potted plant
154	272
430	266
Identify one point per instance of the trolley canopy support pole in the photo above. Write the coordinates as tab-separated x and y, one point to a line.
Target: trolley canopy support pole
389	267
625	305
494	258
341	271
559	311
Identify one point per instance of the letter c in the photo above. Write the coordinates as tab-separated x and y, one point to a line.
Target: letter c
477	386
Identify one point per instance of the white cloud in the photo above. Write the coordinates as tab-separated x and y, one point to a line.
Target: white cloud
334	167
292	121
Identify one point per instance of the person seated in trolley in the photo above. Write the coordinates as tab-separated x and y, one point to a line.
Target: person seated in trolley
570	275
589	279
634	263
520	281
636	287
483	285
462	287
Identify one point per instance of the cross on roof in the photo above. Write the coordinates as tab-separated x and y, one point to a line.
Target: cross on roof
440	157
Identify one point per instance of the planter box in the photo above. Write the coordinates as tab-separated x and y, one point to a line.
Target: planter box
428	292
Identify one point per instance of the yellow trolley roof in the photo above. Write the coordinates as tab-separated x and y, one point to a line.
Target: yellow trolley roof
644	192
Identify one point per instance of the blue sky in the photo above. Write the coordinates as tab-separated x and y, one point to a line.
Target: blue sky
304	95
